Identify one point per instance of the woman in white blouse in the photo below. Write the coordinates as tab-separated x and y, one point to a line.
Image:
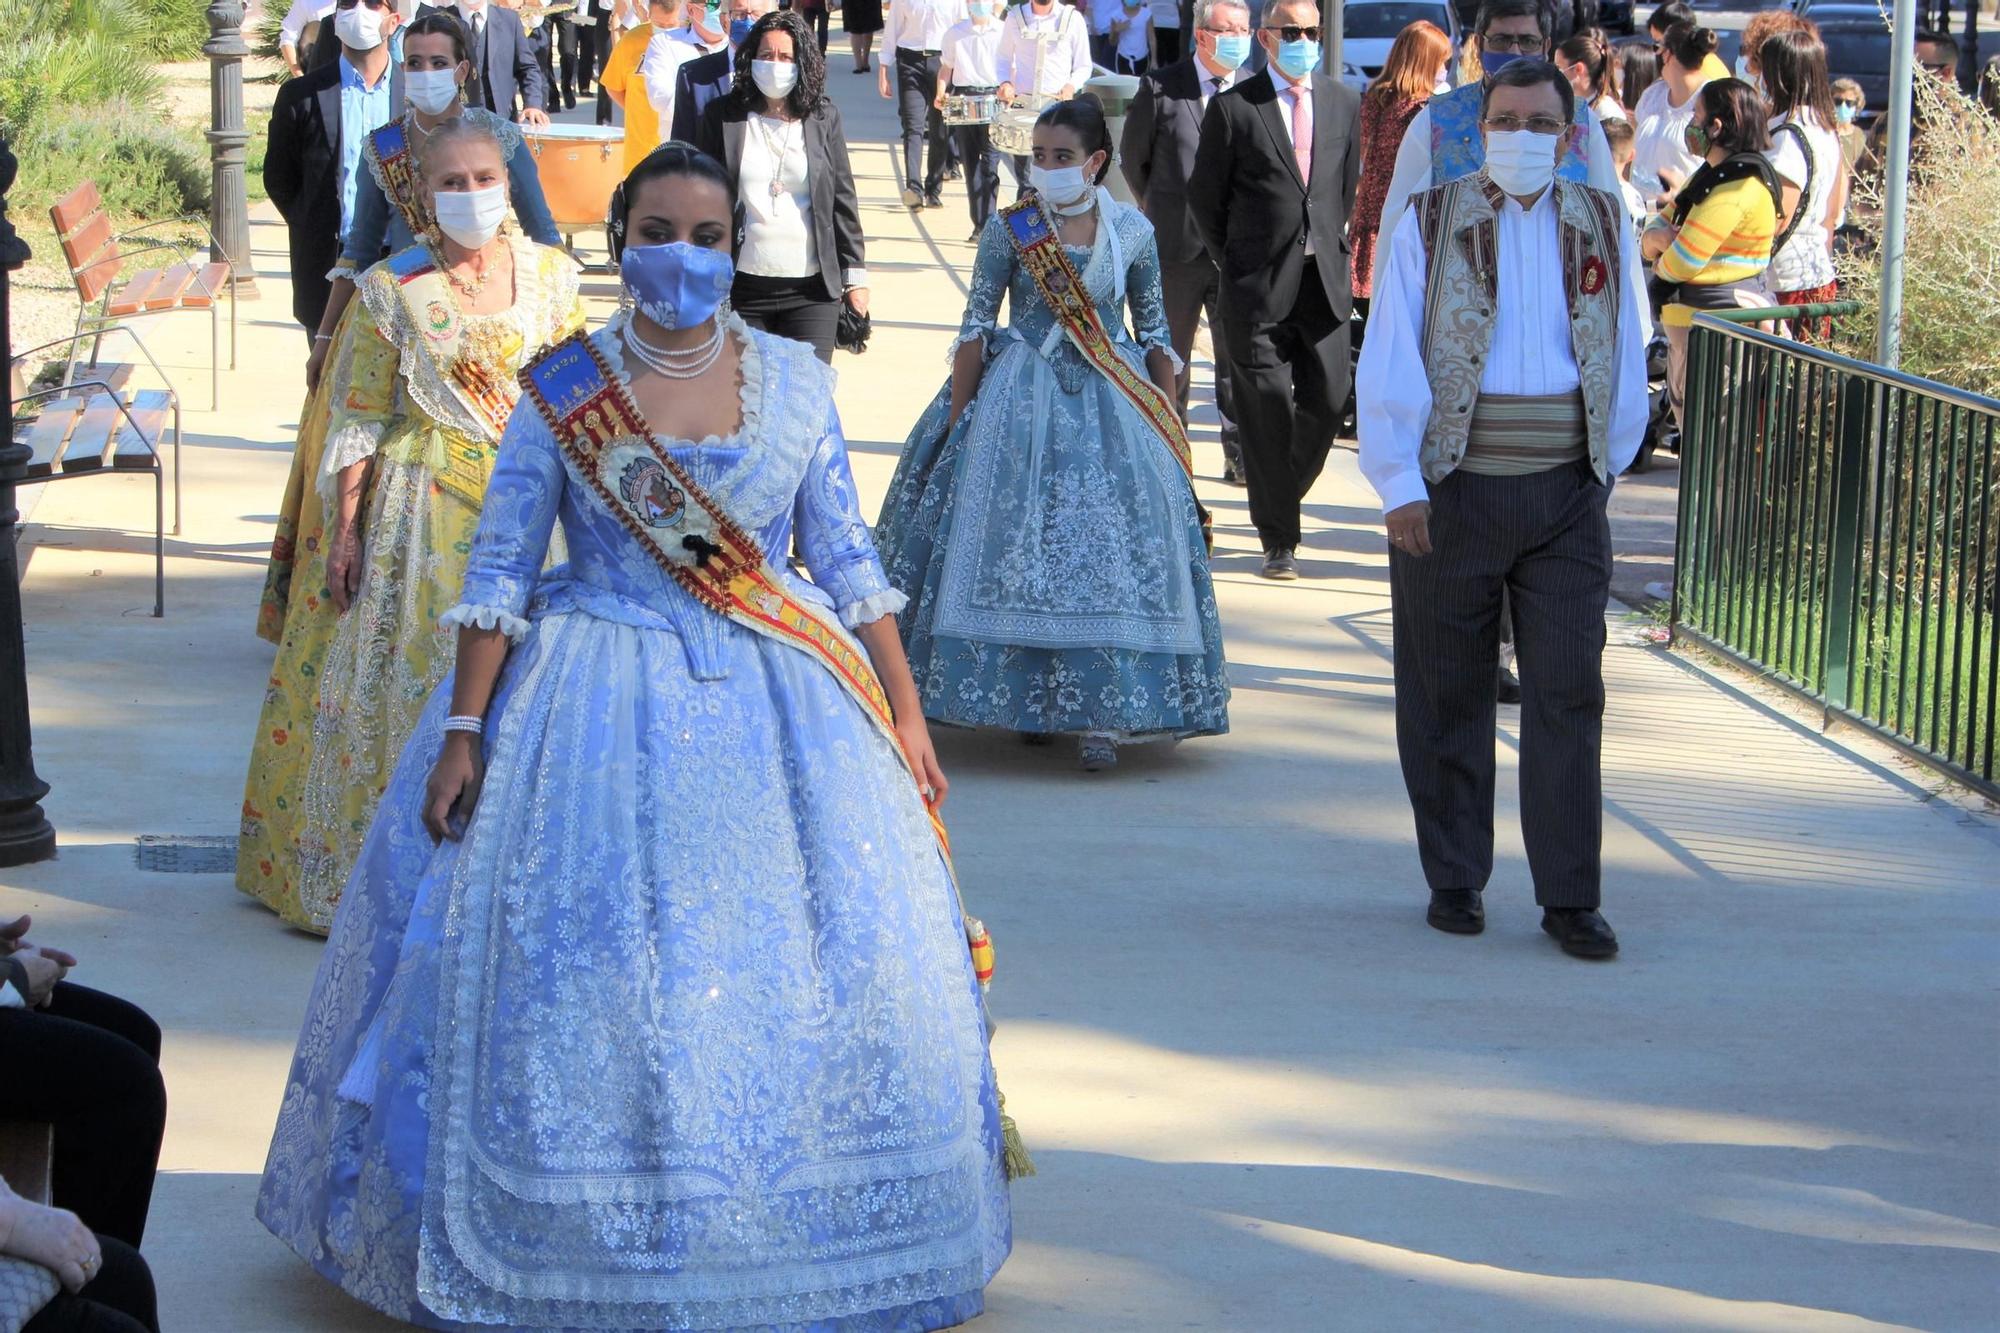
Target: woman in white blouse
779	135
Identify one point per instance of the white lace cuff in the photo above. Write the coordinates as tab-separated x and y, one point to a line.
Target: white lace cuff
871	609
346	268
979	333
1161	342
353	443
467	615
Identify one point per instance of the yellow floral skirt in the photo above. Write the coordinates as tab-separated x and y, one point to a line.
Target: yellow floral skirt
388	654
296	613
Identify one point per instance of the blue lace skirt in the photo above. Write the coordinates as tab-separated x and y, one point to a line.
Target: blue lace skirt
683	1033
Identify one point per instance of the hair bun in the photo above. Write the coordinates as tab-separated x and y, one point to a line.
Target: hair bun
1091	99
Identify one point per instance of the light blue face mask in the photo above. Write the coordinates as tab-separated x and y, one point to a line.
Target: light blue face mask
1232	49
1844	112
1298	59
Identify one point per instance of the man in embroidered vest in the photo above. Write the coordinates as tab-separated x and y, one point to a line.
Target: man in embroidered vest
1501	388
1444	142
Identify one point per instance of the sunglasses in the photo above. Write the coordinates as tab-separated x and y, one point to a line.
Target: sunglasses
353	4
1942	67
1294	32
1843	101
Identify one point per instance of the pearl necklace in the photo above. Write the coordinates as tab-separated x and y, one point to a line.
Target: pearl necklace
682	364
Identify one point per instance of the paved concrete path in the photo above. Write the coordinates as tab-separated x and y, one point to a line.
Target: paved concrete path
1263	1095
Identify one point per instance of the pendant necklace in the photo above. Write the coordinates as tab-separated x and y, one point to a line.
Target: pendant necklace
676	364
774	144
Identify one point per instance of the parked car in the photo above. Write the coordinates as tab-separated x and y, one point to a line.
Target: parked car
1370	28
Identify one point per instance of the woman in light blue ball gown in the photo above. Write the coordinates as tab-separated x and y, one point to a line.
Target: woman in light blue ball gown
1040	520
649	1004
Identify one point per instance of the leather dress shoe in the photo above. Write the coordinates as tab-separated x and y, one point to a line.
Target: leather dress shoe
1580	931
1279	563
1457	911
1506	687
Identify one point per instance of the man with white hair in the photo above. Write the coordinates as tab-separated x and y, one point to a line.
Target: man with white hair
1156	152
708	77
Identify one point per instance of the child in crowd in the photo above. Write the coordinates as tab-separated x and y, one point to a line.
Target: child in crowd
1132	37
1618	134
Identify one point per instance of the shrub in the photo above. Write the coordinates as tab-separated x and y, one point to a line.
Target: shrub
175	29
1951	259
146	168
64	53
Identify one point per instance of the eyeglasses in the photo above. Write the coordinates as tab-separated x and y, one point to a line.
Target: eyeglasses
1520	43
1537	124
1294	33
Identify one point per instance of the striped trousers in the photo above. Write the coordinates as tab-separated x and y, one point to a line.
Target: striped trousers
1543	540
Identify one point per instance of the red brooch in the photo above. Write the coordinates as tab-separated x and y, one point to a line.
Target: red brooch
1593	276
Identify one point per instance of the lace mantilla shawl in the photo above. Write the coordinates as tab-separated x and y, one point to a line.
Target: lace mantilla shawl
546	302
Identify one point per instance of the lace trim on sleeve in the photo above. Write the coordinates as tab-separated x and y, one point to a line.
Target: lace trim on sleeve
871	609
982	333
353	443
467	615
1162	342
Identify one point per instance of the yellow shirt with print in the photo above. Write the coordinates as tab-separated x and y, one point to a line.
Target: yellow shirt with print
621	79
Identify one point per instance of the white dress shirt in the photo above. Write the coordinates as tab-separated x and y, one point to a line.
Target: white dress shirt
1212	83
666	52
298	16
1044	53
920	25
1413	173
778	239
972	54
1531	354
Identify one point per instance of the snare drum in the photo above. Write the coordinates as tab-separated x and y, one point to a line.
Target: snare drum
970	108
580	165
1014	126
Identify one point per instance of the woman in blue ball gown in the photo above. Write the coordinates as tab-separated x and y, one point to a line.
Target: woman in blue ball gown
1040	520
651	1006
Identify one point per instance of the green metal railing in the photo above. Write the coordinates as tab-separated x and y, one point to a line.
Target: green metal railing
1839	531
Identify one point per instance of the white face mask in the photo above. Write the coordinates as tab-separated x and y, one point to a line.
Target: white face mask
774	78
1064	187
1521	162
471	217
359	28
430	90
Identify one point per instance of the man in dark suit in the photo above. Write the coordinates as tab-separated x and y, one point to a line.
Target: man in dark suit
1157	154
313	152
1272	185
505	71
708	77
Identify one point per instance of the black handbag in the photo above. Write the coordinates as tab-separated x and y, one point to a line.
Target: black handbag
854	330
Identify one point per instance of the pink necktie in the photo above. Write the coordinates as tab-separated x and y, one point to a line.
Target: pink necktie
1302	130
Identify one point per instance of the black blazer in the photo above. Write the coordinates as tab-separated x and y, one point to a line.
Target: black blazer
1254	213
1156	152
506	72
836	211
301	174
700	81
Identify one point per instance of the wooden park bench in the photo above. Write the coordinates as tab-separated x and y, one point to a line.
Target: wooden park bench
97	425
108	294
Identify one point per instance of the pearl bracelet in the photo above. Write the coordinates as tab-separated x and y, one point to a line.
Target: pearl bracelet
466	722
